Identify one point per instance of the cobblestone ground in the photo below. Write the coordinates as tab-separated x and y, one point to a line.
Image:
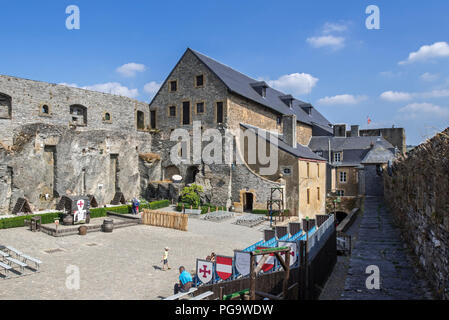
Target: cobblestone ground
379	244
123	265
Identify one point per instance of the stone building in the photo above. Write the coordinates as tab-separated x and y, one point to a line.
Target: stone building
57	140
202	90
356	163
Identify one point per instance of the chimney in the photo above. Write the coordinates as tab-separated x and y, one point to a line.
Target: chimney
340	130
289	130
355	131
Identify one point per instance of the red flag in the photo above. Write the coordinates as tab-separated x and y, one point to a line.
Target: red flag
369	121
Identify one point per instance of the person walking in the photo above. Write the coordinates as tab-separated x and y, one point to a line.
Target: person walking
165	260
135	206
185	281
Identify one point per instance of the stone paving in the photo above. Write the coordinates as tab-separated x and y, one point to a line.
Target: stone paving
379	243
123	265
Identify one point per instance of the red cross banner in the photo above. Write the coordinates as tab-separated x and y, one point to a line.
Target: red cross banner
204	271
269	264
223	267
293	253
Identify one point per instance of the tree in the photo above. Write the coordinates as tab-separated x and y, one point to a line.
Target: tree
191	195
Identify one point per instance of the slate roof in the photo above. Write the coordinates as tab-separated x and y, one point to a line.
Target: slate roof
300	151
378	154
347	143
241	84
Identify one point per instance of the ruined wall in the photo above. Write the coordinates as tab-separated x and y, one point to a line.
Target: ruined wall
28	98
56	161
418	195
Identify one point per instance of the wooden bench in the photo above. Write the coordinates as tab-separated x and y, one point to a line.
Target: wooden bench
17	262
27	258
181	294
6	268
203	296
11	249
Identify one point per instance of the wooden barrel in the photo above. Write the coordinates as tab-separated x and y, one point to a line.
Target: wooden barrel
67	220
108	225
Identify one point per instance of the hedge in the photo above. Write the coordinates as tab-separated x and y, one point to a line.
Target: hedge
204	208
267	213
48	218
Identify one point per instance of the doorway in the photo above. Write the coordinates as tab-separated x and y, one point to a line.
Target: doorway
249	202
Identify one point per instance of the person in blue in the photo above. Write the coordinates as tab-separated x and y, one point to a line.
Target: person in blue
185	281
135	206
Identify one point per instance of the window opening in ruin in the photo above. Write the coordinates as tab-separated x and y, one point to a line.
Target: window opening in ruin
153	119
140	120
114	173
5	106
199	81
107	116
45	109
173	86
79	114
51	177
191	174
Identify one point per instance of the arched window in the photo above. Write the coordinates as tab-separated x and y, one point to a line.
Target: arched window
45	109
79	114
107	116
5	106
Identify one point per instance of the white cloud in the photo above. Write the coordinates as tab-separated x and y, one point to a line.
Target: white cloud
130	69
110	87
436	50
342	99
152	87
429	77
295	83
330	27
396	96
327	41
425	109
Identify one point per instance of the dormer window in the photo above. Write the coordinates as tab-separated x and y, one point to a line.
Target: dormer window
288	100
308	109
261	88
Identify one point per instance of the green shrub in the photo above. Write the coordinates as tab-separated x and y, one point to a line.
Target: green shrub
191	195
267	213
159	204
204	207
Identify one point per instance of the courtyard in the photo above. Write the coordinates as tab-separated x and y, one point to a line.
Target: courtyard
123	265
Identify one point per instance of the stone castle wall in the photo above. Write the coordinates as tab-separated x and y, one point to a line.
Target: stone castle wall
418	194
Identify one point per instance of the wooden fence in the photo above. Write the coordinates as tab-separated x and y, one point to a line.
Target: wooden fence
171	220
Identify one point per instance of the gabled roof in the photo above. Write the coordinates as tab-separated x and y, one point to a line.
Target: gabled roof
243	85
378	154
300	151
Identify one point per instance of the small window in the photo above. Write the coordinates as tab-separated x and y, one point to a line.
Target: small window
318	193
318	169
308	170
337	157
320	153
140	120
343	177
200	107
5	106
220	114
340	193
308	196
264	92
107	117
173	86
45	109
286	171
199	81
153	119
279	121
172	111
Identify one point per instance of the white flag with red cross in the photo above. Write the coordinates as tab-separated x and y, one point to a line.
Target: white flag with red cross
223	266
269	264
293	252
204	271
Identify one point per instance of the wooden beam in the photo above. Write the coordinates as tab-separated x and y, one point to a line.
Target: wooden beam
287	274
267	295
261	263
281	260
252	280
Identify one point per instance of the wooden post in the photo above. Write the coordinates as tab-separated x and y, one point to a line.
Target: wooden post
221	293
252	280
287	274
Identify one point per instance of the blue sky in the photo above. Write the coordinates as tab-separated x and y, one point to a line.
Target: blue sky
320	51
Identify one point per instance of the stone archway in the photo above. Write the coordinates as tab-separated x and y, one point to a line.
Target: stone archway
171	171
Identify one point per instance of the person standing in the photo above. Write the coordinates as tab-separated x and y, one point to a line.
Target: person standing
165	260
185	281
135	206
